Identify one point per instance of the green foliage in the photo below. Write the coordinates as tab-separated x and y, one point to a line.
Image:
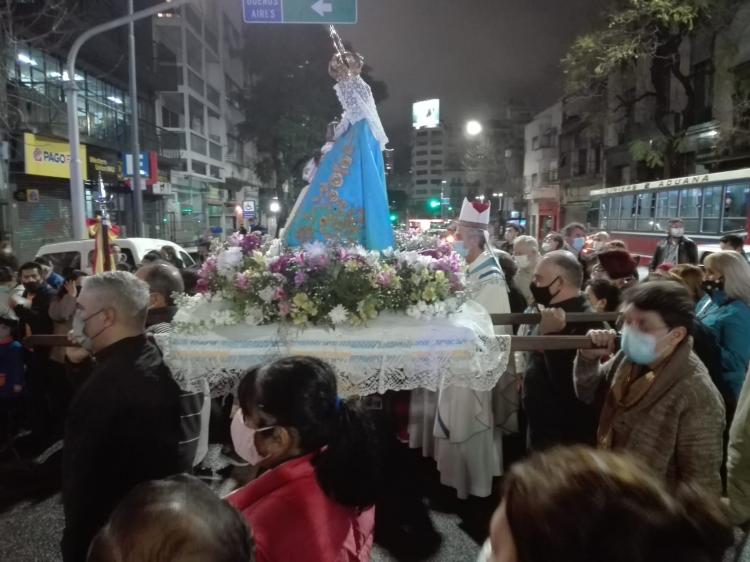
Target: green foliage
634	29
648	152
292	98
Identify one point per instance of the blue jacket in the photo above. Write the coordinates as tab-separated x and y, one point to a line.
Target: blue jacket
730	321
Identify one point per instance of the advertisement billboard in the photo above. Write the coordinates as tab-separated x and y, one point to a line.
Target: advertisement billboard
426	114
47	157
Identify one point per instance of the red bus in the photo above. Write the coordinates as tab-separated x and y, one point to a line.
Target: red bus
711	205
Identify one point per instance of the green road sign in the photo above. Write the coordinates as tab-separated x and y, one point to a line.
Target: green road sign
300	11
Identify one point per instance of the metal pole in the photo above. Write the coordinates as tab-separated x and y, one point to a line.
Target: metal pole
134	138
77	198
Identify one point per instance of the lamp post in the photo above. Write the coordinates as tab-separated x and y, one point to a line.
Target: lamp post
77	194
474	128
274	208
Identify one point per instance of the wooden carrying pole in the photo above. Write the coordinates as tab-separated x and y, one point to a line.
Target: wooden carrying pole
570	318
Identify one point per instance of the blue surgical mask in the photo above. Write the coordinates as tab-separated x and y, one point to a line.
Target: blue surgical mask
578	244
460	249
639	347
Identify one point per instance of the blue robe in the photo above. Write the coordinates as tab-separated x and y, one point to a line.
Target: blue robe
347	201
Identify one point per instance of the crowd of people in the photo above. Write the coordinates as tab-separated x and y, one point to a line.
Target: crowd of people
637	446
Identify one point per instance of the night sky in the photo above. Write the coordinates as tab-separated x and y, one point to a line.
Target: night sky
473	54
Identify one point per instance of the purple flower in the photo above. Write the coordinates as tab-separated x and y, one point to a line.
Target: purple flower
281	264
250	243
299	278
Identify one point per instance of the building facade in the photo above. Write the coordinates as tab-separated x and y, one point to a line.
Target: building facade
198	52
540	170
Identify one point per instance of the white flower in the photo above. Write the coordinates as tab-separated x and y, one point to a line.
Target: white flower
338	314
413	312
423	262
228	261
315	249
373	259
254	316
267	294
421	306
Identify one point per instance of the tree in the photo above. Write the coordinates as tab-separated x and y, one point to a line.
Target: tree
650	33
292	99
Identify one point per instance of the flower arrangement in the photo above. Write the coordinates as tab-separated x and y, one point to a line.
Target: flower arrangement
318	285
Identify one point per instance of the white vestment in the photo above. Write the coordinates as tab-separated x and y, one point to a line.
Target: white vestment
468	425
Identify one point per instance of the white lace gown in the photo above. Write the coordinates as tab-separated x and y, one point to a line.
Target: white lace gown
461	428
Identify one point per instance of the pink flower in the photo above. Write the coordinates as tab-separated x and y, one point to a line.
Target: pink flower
280	295
242	282
284	308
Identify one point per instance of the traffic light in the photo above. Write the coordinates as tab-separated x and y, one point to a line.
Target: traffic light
394	218
434	204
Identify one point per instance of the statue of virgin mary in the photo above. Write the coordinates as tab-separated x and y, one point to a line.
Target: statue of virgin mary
346	201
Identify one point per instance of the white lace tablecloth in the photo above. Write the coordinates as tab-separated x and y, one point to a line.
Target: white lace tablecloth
393	352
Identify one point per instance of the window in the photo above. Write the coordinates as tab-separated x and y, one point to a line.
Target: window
534	180
436	162
711	209
436	152
422	153
645	212
582	163
703	86
199	167
421	162
690	208
170	119
421	182
666	209
194	52
420	191
197	119
627	212
735	207
535	143
198	144
422	173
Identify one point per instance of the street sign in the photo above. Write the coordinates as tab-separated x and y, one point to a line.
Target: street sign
145	165
248	209
300	11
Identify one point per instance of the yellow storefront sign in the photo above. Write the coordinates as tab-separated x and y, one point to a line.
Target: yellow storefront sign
45	157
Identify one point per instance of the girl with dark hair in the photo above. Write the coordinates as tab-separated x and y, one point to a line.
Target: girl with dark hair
315	500
577	504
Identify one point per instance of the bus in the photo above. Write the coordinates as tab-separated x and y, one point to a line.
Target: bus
711	205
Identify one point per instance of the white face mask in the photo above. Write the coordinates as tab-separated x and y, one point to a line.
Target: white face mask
243	439
546	247
522	262
677	232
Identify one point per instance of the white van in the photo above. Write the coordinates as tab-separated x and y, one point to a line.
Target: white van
76	253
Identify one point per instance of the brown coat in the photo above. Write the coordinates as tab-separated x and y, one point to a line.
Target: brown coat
676	427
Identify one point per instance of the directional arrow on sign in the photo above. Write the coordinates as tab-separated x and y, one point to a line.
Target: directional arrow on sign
322	7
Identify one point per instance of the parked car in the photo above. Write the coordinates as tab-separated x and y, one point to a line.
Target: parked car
76	254
704	250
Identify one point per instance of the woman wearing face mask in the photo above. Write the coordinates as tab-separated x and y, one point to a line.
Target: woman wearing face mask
726	311
659	402
315	500
552	242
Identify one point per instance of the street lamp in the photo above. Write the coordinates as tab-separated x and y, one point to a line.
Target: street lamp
275	207
474	128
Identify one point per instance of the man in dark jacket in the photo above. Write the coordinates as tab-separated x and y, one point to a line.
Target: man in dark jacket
32	310
123	426
163	280
676	249
555	415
